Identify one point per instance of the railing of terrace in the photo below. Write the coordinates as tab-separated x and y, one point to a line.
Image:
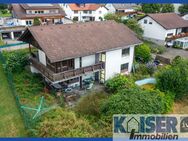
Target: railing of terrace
62	76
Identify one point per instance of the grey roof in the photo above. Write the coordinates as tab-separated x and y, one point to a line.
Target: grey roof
124	6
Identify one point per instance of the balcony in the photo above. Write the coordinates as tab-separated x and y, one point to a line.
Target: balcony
63	76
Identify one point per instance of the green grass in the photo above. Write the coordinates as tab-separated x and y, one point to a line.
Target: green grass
11	123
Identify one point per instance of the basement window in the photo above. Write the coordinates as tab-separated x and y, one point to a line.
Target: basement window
124	67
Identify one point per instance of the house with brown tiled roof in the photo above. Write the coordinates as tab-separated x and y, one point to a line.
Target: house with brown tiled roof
158	27
85	12
47	13
92	51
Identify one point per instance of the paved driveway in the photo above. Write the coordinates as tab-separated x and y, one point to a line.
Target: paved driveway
172	52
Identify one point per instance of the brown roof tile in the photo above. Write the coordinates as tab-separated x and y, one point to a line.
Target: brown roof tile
61	42
20	12
169	20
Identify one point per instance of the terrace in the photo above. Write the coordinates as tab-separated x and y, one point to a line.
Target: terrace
67	74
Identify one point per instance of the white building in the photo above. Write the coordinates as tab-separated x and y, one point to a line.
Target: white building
121	8
93	50
85	12
157	27
24	14
185	17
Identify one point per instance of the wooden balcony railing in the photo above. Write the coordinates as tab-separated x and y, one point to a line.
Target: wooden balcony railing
62	76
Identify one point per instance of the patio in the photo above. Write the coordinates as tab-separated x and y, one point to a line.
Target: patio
71	98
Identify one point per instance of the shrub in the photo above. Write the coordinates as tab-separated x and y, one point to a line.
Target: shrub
151	68
111	16
135	101
161	49
133	25
62	123
89	104
16	60
143	52
174	78
36	21
118	82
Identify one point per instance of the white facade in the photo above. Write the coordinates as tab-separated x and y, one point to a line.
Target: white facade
185	17
42	57
156	32
112	9
114	60
83	16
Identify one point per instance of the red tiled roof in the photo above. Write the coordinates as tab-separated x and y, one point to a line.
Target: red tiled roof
84	7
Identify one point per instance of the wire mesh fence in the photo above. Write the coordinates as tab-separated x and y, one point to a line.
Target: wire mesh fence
29	122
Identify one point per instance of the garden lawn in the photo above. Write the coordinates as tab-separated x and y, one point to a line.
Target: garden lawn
11	123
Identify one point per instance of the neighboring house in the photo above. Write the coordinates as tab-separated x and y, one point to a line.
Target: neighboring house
121	8
85	12
185	17
176	7
158	27
97	50
47	13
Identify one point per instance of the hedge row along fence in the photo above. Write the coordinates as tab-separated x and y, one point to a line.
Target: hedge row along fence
29	122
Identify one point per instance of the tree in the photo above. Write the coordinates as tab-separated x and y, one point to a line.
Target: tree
183	9
3	6
174	78
151	8
36	21
111	16
143	53
133	25
167	8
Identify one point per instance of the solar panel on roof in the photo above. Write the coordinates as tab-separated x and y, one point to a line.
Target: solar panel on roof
42	4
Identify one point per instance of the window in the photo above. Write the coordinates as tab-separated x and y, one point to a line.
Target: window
124	67
85	12
145	21
125	52
75	19
28	22
75	11
100	12
170	34
30	12
150	22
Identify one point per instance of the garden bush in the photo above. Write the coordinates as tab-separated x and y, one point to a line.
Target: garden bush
151	68
62	123
16	60
118	82
174	78
143	52
135	101
90	104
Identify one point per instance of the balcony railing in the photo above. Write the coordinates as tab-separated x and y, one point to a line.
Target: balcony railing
63	76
